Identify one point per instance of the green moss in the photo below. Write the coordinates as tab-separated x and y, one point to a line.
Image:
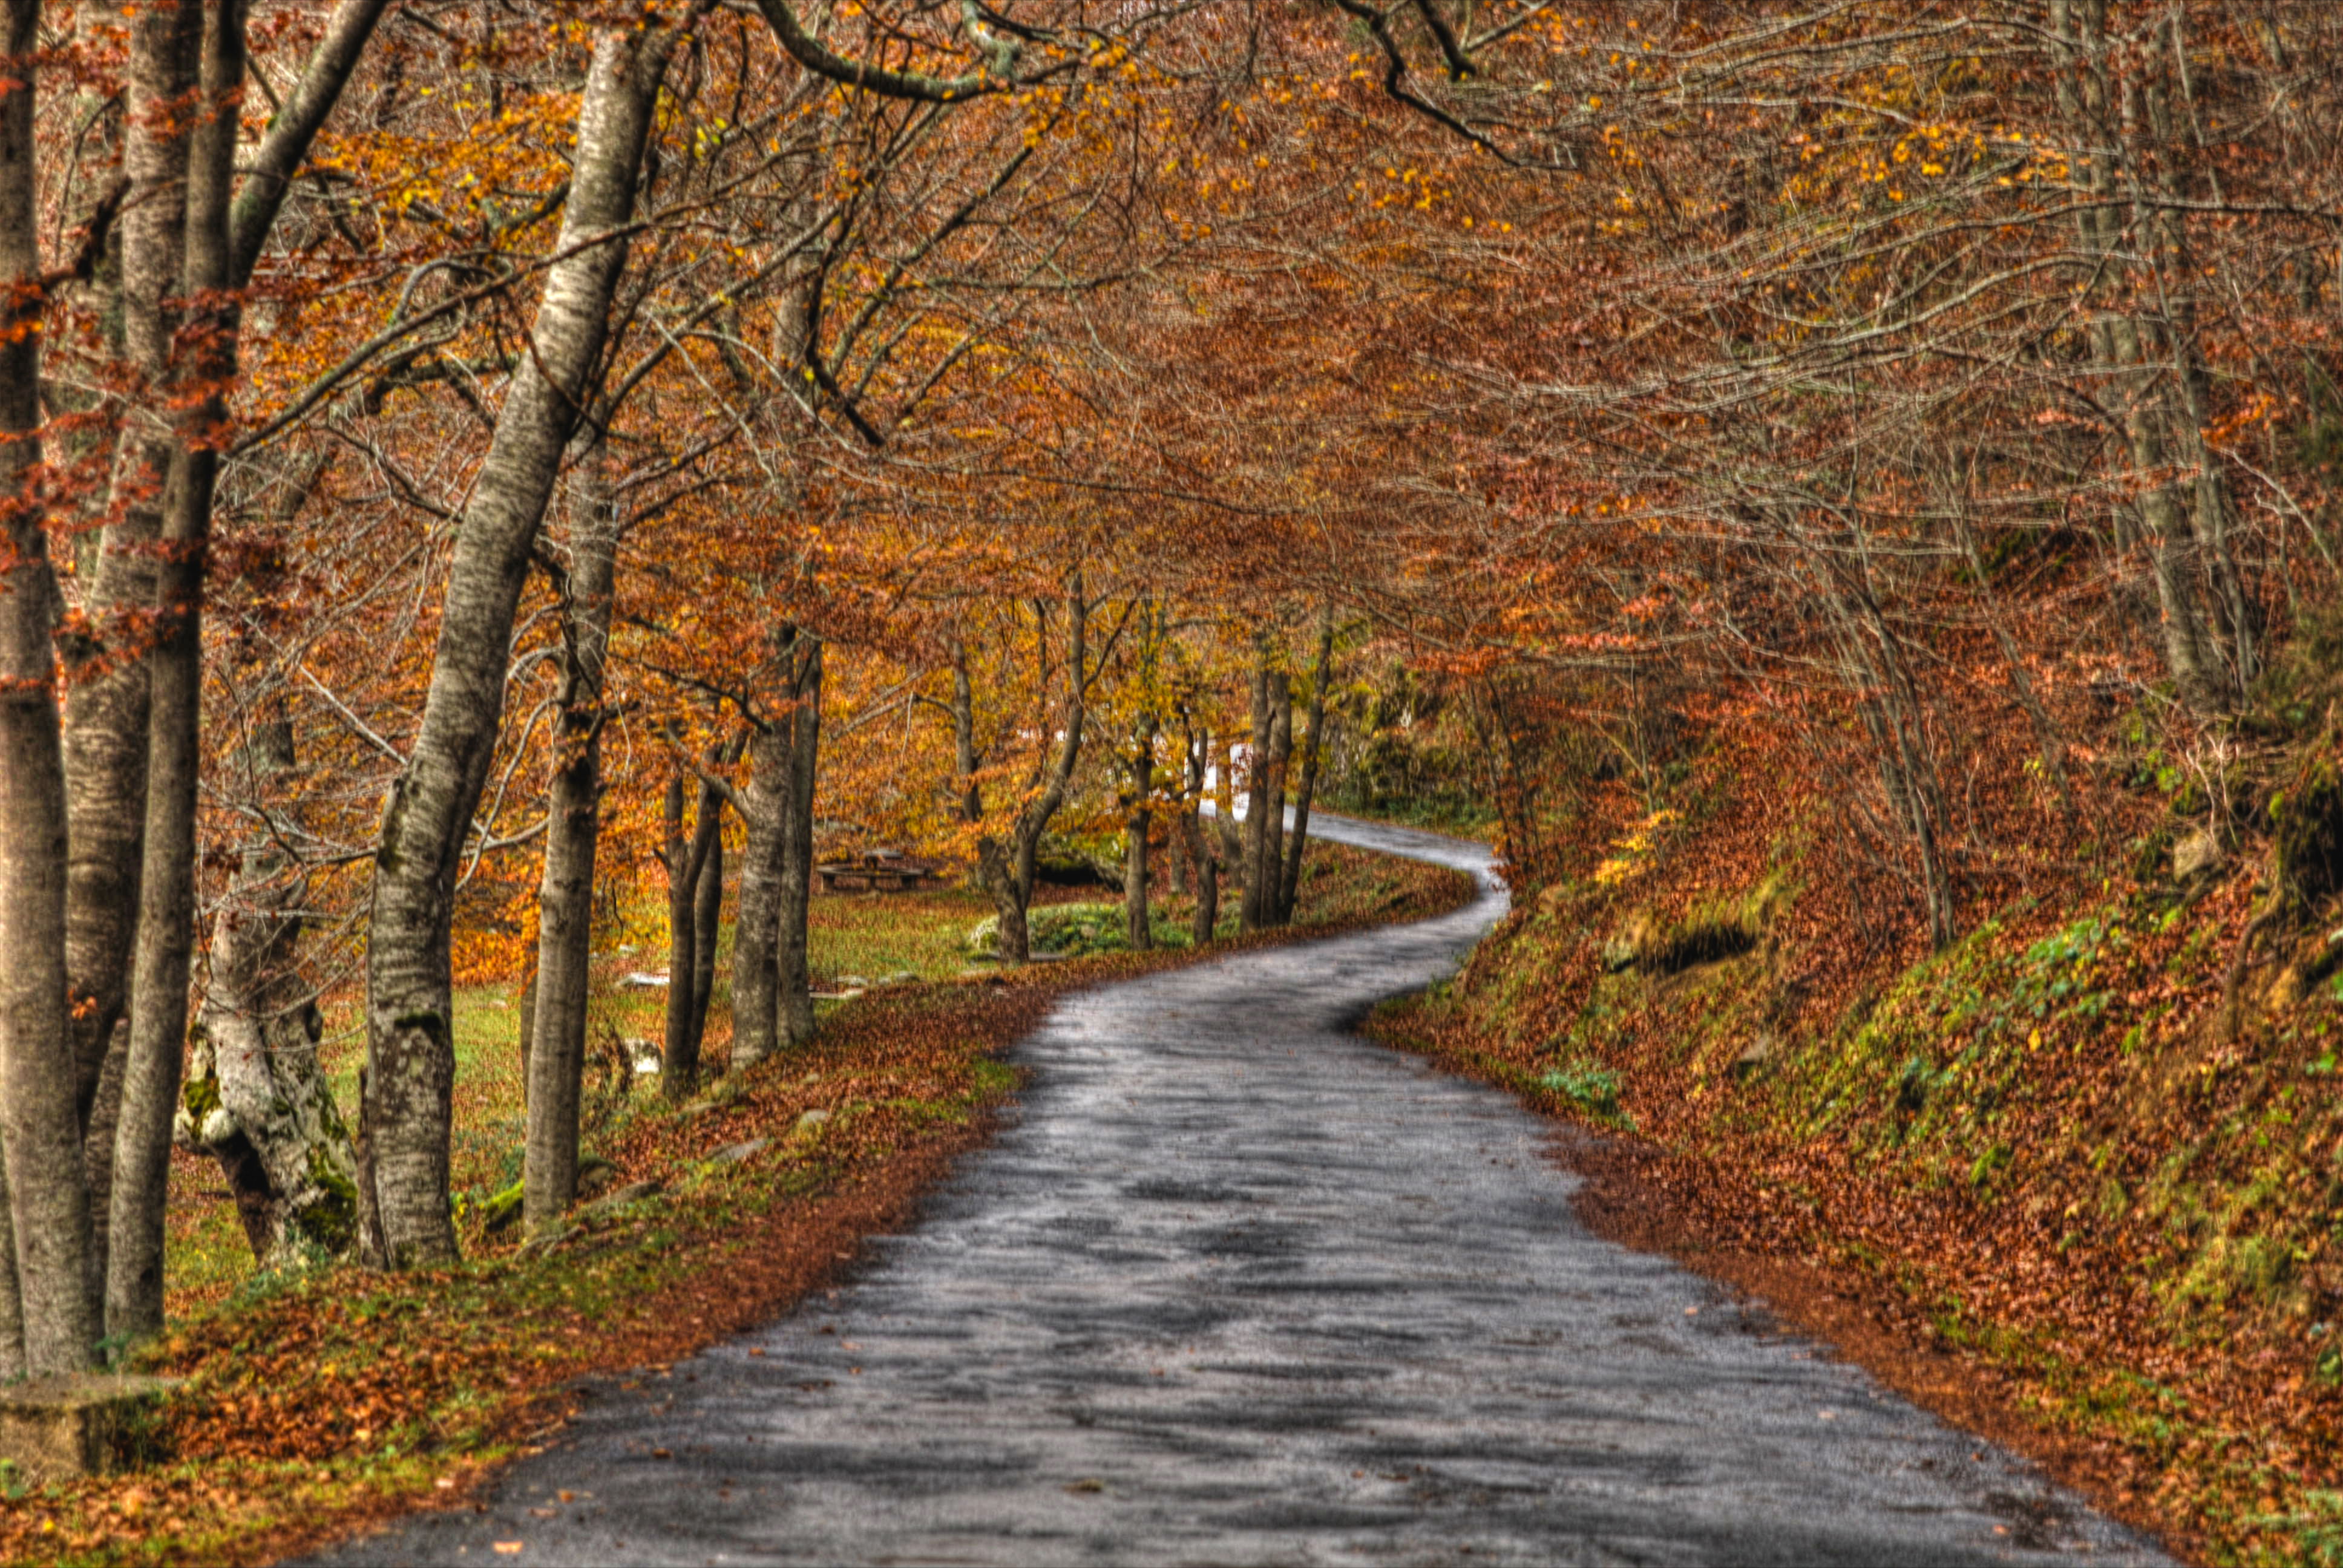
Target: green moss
331	1222
201	1096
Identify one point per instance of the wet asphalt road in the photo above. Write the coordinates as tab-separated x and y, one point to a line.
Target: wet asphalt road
1241	1287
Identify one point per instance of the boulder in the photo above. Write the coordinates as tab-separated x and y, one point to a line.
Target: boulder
2195	852
1636	936
1753	1057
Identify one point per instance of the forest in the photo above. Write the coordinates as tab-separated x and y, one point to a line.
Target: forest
507	501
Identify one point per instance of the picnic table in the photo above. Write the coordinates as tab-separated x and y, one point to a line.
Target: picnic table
875	871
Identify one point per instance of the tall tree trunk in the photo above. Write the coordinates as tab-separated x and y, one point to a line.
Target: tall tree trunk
40	1131
793	976
167	913
707	920
1322	673
565	924
106	714
768	982
1137	931
410	1042
256	1099
757	928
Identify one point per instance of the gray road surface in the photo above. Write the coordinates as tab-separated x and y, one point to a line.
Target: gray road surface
1240	1288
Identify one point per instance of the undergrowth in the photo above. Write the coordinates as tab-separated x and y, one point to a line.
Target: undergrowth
2048	1135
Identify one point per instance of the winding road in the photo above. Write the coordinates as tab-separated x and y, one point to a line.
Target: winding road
1239	1287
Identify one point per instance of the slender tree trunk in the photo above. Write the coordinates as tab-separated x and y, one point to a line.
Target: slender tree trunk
1252	912
1201	854
106	715
167	914
291	130
963	717
679	1068
1272	827
1136	929
1321	674
687	861
793	978
40	1131
555	1025
707	920
411	1043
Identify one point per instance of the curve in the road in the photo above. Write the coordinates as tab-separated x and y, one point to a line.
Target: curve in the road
1239	1287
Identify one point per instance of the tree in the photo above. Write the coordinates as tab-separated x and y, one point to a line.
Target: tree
410	1051
1005	864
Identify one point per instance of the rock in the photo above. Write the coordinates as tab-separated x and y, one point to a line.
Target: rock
60	1428
2196	851
852	982
1753	1057
724	1091
810	1122
594	1174
537	1246
1639	933
738	1152
632	1192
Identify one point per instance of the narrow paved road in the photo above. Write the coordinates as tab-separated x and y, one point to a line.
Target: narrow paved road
1241	1287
